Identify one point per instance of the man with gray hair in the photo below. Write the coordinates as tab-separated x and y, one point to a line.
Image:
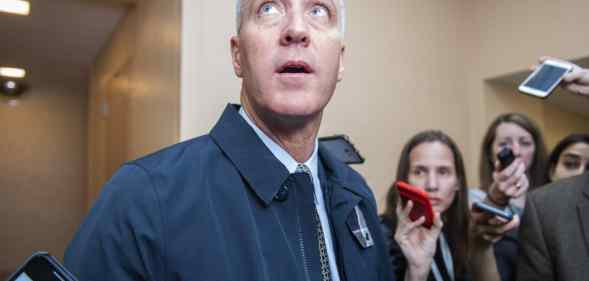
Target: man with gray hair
256	198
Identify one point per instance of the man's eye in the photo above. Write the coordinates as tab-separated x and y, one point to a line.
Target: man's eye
269	9
319	11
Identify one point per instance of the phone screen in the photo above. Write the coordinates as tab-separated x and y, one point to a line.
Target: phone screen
546	77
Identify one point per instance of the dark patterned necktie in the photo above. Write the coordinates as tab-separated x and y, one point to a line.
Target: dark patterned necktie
315	258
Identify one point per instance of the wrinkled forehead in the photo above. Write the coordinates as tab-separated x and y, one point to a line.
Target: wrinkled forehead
242	6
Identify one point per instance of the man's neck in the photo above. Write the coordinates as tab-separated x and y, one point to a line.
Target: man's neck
297	137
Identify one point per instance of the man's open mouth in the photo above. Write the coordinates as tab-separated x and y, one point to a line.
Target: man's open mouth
295	67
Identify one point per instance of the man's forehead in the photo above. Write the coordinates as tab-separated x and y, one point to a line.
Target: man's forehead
246	3
244	7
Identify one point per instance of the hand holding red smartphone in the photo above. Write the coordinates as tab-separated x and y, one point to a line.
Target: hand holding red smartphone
422	207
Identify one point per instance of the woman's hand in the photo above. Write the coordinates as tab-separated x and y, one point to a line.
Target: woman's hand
511	182
487	229
417	242
576	81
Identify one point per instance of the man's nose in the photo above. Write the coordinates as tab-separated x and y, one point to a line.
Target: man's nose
296	31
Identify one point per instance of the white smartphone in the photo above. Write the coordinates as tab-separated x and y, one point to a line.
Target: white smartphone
545	78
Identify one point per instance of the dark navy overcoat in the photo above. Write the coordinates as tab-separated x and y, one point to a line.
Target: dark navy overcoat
206	209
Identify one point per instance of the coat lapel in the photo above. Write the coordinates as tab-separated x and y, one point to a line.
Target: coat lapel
254	161
345	193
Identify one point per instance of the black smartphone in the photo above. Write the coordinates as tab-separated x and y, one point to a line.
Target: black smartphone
341	147
41	266
493	210
505	157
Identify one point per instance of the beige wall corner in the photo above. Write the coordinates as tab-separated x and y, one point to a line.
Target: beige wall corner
134	92
208	81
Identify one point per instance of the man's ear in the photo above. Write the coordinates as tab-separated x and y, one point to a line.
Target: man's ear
236	56
340	73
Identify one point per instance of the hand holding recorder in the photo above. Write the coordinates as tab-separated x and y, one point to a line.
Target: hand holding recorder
509	179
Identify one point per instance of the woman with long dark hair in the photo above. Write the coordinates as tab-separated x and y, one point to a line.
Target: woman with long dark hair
508	186
456	246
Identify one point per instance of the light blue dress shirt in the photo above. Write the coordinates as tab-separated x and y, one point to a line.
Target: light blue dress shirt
291	165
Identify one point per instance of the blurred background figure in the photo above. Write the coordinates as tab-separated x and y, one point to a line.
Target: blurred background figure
570	157
509	186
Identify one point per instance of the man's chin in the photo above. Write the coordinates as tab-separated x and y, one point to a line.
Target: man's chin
296	110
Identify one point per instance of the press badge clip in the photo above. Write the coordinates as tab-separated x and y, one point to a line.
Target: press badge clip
359	228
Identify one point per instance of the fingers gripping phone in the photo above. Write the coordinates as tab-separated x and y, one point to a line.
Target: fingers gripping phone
506	157
545	78
42	267
422	207
481	206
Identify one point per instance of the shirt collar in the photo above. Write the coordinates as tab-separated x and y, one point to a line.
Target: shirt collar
282	155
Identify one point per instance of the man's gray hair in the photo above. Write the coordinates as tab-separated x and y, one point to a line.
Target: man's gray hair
239	8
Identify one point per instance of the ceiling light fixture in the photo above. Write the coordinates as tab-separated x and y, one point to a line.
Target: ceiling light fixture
11	85
12	88
12	72
18	7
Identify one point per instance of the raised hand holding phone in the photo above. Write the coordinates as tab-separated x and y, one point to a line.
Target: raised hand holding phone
489	224
509	179
422	207
417	242
576	80
545	78
493	211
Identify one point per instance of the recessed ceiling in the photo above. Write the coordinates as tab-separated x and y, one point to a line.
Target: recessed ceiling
60	37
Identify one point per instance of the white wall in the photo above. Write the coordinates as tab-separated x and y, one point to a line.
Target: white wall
134	90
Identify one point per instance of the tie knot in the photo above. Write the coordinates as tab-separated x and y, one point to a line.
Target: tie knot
302	168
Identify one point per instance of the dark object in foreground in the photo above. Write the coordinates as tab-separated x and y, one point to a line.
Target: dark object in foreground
41	266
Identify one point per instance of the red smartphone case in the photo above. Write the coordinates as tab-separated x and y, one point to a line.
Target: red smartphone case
422	207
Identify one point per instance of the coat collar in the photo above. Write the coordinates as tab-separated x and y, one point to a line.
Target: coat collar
257	165
263	172
342	176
